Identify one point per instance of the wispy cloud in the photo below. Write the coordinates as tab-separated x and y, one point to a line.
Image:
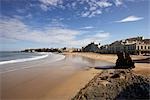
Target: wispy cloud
95	8
118	2
87	27
130	19
44	7
15	29
103	3
51	2
88	8
47	3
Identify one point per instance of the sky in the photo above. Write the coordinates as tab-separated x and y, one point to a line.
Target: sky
70	23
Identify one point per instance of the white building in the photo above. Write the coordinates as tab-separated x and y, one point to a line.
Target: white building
136	45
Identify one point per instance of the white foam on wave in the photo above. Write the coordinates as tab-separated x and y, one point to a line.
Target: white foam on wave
57	57
23	60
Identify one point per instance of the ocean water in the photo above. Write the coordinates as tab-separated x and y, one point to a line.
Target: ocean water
6	56
13	57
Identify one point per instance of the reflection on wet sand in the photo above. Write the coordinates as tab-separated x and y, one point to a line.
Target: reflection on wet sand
42	76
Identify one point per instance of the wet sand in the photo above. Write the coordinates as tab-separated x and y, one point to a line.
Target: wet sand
60	80
43	80
140	68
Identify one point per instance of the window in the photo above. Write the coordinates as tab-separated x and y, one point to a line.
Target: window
138	47
141	47
145	47
148	47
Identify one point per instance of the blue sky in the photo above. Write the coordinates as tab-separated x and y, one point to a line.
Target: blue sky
70	23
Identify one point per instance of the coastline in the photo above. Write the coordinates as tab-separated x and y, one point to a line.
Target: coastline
5	66
140	68
45	80
60	81
42	55
91	89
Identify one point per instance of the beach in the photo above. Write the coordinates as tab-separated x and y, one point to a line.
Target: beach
140	68
41	79
59	80
74	50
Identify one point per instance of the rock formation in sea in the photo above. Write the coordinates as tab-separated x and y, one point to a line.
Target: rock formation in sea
116	84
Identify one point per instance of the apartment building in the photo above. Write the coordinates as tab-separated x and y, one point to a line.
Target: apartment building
136	45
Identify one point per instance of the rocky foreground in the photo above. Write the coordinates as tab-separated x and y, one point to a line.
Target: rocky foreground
116	84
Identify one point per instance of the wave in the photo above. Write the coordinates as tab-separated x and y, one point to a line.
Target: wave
55	57
23	60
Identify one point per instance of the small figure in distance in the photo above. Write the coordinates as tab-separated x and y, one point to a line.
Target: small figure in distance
128	61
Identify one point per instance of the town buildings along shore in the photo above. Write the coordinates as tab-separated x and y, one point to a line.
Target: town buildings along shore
136	45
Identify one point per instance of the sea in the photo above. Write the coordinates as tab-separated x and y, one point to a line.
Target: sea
17	56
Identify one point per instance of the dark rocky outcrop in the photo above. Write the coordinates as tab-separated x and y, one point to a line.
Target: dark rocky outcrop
116	84
124	61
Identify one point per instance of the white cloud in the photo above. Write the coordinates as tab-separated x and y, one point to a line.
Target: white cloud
130	19
97	38
51	2
14	29
56	22
87	8
103	4
45	4
94	13
85	14
118	2
95	7
44	7
87	27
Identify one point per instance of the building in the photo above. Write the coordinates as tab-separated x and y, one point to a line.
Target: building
70	49
143	47
92	47
136	45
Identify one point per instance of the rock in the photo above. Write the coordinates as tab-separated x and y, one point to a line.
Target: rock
124	61
115	85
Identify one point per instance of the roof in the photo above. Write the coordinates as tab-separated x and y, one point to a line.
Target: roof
135	39
146	41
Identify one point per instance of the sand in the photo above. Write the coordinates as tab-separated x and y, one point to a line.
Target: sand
141	68
57	81
69	88
46	81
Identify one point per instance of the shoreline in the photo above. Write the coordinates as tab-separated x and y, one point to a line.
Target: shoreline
45	80
140	68
63	80
52	58
34	58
